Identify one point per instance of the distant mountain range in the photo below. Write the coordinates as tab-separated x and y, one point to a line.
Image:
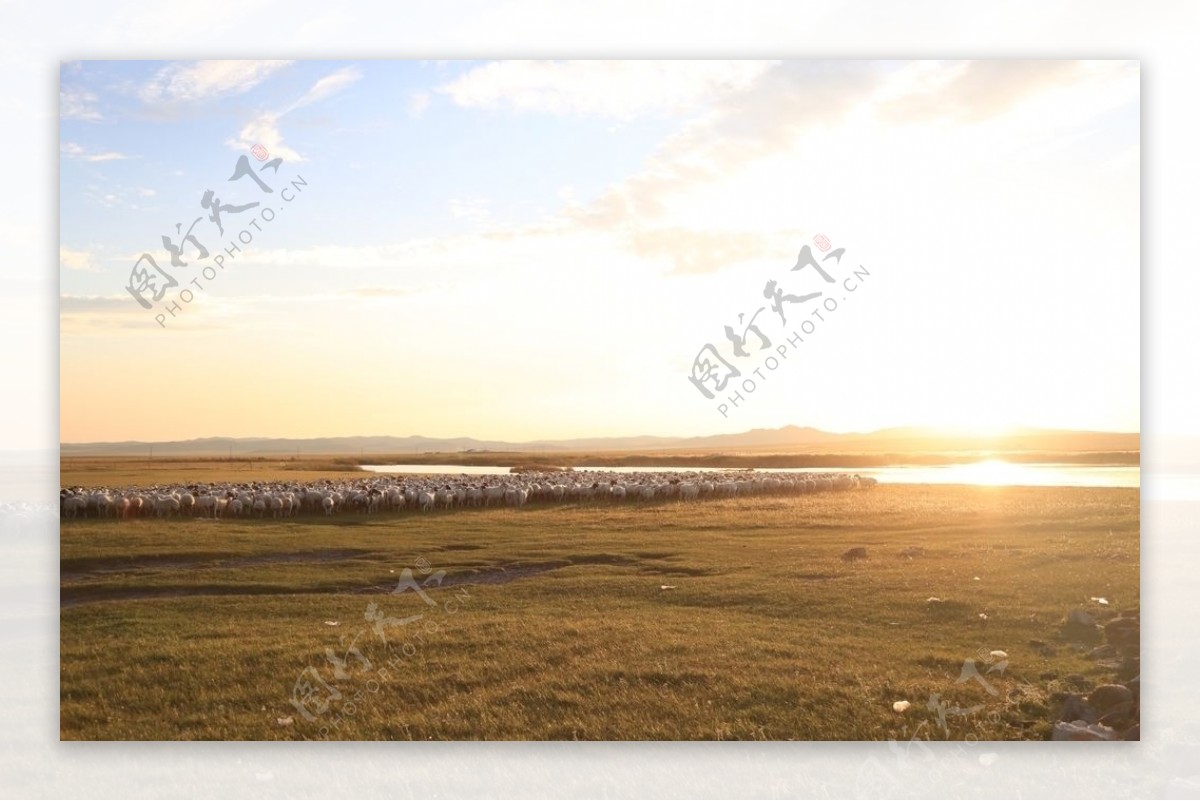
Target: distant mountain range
789	439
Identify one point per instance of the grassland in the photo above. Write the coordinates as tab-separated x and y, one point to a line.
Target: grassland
201	629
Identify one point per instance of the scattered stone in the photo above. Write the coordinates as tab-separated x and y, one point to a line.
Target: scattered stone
332	623
1108	712
1124	633
901	706
1077	708
1101	601
667	587
1043	648
1077	681
933	600
1130	668
1080	626
1110	697
1078	617
284	721
1120	719
855	554
999	654
1081	731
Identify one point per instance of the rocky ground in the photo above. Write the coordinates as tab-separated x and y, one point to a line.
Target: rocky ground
1108	711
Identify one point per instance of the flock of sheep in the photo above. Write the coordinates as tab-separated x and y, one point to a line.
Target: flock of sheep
284	499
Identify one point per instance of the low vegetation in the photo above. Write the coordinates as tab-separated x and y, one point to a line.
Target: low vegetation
730	619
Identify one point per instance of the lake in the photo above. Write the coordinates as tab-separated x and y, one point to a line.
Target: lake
989	472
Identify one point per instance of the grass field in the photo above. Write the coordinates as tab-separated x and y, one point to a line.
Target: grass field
204	629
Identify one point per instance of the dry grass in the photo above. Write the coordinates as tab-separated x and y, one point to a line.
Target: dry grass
767	634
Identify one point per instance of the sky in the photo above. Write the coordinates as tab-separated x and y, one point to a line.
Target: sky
531	250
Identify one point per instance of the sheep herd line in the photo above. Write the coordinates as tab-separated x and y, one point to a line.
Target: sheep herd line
284	499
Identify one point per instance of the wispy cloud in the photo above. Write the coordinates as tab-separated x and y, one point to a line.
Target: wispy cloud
972	90
204	80
418	102
329	85
264	128
77	104
73	150
79	260
475	209
620	89
704	251
381	292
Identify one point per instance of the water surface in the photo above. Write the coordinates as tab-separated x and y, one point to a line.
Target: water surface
989	472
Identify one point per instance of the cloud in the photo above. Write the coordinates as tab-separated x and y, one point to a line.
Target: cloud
691	251
473	209
620	89
90	304
381	292
73	150
670	208
766	117
77	104
204	80
329	85
264	128
417	103
79	260
972	91
92	314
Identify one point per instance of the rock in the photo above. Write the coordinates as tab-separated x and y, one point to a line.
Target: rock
1043	648
1110	697
1124	633
1134	686
901	706
1133	732
1077	681
1102	652
1130	668
1080	730
1078	617
855	554
1076	708
1080	626
1120	719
